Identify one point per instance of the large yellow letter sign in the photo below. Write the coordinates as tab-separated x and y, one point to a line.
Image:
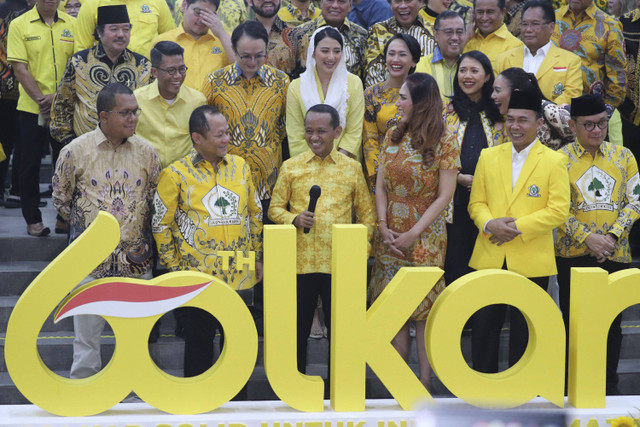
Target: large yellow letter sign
131	367
523	381
589	322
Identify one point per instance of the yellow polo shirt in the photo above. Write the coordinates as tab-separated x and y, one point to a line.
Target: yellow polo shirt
164	125
501	40
148	19
45	49
202	56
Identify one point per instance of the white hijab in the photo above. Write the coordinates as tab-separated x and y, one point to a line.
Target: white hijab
337	93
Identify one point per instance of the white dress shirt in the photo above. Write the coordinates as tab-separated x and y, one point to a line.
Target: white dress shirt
531	62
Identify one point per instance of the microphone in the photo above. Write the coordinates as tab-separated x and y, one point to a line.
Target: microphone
314	194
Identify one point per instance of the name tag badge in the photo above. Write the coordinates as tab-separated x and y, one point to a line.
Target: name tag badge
30	39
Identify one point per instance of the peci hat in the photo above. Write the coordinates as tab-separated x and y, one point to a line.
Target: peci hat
115	14
525	100
587	105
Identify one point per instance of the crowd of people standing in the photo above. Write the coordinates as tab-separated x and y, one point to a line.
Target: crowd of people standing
462	135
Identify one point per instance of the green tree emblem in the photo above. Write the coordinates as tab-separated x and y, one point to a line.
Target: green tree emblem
596	186
222	203
636	190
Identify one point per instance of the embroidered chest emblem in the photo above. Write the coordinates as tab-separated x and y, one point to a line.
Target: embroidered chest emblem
66	33
145	9
533	191
558	89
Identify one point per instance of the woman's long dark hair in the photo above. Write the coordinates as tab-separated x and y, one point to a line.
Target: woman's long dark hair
462	105
330	32
425	126
519	79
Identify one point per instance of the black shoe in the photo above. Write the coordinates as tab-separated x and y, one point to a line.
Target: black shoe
46	194
12	202
42	204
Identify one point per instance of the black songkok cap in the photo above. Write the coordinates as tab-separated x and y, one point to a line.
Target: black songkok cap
587	105
525	100
116	14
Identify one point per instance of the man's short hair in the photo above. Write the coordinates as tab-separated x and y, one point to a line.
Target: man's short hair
546	6
326	109
447	14
252	29
198	122
107	96
216	3
162	49
501	4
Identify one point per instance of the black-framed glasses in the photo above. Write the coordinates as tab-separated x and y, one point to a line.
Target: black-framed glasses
174	70
589	126
533	25
257	57
127	114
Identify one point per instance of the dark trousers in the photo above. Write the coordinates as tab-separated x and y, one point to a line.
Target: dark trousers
10	140
309	287
34	140
614	339
200	329
485	334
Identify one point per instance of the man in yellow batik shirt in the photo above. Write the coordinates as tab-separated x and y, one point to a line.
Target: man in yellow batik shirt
205	42
492	36
206	203
605	202
343	192
298	12
167	104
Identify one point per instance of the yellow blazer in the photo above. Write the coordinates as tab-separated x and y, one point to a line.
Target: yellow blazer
559	75
539	202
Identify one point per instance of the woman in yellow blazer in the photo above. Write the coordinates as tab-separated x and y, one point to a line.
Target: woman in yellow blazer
476	123
326	81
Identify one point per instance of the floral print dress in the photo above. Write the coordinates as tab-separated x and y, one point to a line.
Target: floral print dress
411	188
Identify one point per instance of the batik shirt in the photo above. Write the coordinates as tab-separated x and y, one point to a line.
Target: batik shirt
379	35
292	15
255	110
597	39
282	55
355	39
605	198
231	13
92	176
631	31
344	192
199	211
73	111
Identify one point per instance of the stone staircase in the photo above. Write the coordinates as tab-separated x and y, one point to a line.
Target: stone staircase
23	257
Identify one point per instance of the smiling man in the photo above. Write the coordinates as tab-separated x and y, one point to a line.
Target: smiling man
492	36
605	203
343	193
557	70
520	193
167	104
449	30
108	169
206	203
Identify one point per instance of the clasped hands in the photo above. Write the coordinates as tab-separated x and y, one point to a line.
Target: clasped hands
600	246
502	230
398	243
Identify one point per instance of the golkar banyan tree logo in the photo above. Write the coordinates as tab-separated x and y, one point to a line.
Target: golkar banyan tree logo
360	337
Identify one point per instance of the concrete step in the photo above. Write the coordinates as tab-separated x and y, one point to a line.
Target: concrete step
17	275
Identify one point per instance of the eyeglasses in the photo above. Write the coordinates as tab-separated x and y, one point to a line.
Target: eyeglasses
127	114
173	71
257	57
450	31
532	25
589	126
